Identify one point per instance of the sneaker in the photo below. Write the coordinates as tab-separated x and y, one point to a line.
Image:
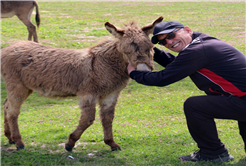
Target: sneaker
199	156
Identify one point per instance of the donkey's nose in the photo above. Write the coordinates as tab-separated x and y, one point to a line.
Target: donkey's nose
143	67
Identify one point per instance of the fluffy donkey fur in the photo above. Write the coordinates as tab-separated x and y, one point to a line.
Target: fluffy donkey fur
96	75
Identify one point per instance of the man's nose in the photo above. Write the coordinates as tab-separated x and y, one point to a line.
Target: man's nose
169	41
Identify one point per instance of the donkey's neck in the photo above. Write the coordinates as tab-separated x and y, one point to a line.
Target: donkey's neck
108	52
107	55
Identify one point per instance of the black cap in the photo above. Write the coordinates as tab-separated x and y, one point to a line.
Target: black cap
163	28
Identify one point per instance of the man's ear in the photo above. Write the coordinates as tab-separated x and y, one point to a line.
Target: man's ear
188	30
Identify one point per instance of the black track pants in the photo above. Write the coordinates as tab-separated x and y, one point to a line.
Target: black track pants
242	130
200	112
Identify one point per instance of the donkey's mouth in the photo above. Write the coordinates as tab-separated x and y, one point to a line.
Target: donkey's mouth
143	67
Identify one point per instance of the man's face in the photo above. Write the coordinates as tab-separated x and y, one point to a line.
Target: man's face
182	38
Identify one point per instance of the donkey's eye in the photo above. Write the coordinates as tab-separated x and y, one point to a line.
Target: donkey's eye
142	58
147	52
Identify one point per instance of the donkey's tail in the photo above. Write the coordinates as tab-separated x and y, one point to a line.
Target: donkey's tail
37	18
1	60
2	53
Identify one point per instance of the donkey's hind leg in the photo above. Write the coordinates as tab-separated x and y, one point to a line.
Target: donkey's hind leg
17	94
107	108
6	125
88	110
26	19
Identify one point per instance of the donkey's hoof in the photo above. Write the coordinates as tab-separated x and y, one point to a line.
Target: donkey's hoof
68	148
116	149
20	147
11	142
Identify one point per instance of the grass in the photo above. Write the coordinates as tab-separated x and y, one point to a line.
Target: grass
149	122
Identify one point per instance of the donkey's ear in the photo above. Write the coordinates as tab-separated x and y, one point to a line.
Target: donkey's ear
148	29
113	30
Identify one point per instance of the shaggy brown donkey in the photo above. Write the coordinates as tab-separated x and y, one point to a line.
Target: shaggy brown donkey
96	75
23	10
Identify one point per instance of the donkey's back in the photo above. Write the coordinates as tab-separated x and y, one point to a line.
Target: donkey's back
49	71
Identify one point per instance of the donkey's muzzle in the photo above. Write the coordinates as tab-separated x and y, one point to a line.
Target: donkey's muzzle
143	67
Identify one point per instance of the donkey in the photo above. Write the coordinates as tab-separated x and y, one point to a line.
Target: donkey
96	75
23	10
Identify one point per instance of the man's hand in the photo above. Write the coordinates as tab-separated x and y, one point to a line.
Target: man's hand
130	68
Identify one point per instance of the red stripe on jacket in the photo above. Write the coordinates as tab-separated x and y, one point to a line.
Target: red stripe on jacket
223	83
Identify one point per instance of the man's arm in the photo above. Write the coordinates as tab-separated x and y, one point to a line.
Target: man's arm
185	64
162	57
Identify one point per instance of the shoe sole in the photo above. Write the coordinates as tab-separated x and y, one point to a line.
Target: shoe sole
224	159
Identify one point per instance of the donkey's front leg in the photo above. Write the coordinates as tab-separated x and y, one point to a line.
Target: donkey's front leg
107	106
88	110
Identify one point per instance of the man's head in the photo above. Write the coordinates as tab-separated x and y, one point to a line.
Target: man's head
173	35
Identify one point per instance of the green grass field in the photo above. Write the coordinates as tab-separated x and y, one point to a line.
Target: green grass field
149	122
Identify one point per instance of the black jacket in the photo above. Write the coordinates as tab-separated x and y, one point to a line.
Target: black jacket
213	65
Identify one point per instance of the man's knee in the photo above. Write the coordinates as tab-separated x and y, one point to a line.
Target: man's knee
189	103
